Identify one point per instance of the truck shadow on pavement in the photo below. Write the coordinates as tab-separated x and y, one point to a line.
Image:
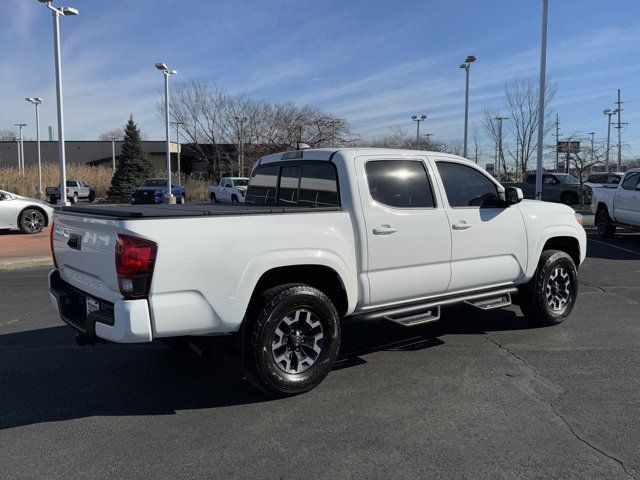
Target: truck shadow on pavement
45	377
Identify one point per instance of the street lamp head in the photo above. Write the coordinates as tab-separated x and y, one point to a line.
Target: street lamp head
607	111
172	72
161	66
414	117
464	65
470	59
35	100
423	117
69	11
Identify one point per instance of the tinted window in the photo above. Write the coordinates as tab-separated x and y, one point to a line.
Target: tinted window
631	181
467	187
262	185
399	183
289	180
318	186
547	180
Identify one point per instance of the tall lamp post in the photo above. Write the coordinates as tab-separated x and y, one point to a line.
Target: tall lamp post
21	147
418	119
608	112
166	72
241	121
541	92
37	101
466	65
57	12
113	154
177	124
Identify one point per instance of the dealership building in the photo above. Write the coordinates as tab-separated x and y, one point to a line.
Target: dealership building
87	152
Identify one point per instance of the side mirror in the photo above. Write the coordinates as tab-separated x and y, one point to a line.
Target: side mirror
513	195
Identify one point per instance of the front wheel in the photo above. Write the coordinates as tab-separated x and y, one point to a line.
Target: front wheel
181	201
548	298
292	339
213	198
234	199
74	199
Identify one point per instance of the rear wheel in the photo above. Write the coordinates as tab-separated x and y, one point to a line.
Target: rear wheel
292	339
74	199
548	298
92	197
181	201
31	221
213	198
234	199
606	228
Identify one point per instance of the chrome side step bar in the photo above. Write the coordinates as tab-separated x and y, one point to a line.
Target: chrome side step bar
421	313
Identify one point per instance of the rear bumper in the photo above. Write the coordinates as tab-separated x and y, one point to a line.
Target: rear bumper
125	321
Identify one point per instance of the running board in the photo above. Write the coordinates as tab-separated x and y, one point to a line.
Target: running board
491	303
430	315
429	311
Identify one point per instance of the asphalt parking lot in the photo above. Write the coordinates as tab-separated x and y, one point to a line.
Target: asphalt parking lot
478	395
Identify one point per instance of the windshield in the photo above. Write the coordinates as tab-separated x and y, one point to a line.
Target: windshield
566	178
240	182
155	182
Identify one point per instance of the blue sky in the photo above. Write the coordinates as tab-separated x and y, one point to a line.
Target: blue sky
374	62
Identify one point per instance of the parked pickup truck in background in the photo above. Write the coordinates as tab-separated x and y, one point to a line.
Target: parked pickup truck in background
325	234
618	207
76	190
556	187
229	190
153	190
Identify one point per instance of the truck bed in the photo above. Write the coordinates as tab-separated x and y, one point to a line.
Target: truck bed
126	211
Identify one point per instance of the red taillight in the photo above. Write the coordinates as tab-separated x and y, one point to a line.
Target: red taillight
53	254
135	259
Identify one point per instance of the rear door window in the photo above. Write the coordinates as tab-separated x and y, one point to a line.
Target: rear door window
399	183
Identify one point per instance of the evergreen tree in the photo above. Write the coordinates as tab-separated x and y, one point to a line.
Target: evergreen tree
133	165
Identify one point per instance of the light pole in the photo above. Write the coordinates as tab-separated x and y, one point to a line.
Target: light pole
241	120
21	149
466	65
17	140
418	119
541	91
177	124
57	12
37	101
166	72
113	153
608	112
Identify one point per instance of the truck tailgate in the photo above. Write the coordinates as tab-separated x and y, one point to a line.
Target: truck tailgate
84	249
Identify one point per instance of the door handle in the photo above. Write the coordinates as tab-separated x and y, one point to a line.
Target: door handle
384	230
462	225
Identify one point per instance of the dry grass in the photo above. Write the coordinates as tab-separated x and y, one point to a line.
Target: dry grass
99	178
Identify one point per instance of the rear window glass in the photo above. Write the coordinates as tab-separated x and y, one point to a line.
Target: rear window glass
262	186
293	184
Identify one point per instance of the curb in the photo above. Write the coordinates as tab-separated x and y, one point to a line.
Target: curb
25	262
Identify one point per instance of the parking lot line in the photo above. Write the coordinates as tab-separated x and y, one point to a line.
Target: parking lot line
614	246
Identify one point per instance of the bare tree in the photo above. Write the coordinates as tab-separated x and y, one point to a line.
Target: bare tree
522	101
477	147
584	160
8	135
398	137
455	146
117	134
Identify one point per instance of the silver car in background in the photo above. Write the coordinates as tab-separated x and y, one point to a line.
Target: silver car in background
27	214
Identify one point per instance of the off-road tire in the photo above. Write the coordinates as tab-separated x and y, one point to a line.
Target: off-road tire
606	228
261	324
534	296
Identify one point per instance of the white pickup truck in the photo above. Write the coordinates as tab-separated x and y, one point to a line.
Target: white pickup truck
76	190
618	207
325	234
229	190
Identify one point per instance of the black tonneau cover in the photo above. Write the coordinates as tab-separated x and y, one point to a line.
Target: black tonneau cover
125	211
